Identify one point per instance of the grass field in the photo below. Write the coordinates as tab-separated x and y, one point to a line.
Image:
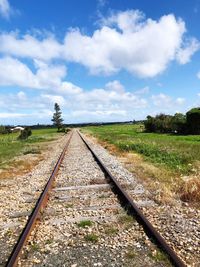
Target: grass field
173	156
171	151
10	147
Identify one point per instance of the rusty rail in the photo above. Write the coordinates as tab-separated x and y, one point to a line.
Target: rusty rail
133	209
12	261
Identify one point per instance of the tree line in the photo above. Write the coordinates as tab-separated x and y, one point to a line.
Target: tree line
188	123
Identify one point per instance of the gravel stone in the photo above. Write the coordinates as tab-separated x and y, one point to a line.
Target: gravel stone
86	225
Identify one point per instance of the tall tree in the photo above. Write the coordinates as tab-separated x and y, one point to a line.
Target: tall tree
57	119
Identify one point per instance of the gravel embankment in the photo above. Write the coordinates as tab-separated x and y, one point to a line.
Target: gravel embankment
18	196
84	224
179	225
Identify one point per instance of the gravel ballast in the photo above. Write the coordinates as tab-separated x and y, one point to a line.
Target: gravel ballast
178	224
18	196
84	223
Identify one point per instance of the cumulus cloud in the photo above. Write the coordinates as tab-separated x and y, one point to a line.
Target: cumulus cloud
184	54
124	41
115	86
165	101
28	46
127	40
14	72
97	104
5	8
5	115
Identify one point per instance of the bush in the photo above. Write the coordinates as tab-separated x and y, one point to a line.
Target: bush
160	124
193	121
4	130
179	123
25	134
63	130
167	124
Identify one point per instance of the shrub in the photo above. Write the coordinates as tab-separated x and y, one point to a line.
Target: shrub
166	124
179	123
193	120
25	134
4	129
160	124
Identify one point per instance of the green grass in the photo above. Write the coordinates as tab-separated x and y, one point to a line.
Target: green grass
85	223
171	151
91	238
159	256
11	147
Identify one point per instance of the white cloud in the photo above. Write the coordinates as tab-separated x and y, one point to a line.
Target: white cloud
127	21
30	47
161	100
5	115
124	41
180	100
5	8
165	101
53	99
184	54
101	3
198	75
142	91
69	88
97	104
98	113
115	86
128	41
14	72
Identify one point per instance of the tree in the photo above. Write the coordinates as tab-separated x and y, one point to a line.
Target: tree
159	124
193	120
179	123
57	119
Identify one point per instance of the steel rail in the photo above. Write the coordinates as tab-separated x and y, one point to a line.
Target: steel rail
133	209
12	261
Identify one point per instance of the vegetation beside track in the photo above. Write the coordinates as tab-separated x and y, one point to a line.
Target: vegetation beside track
11	148
173	158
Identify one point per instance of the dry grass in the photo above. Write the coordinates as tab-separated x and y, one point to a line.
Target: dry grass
20	166
190	190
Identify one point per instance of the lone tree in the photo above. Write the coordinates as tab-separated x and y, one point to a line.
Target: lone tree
57	119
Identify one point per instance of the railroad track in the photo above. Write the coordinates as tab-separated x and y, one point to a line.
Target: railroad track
88	217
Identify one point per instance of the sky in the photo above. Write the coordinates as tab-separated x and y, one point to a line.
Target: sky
100	60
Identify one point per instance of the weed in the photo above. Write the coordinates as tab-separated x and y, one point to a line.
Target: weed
125	219
9	232
111	231
91	238
85	223
69	205
130	254
35	247
158	256
32	151
49	241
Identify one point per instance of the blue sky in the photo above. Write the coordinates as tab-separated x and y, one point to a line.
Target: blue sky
101	60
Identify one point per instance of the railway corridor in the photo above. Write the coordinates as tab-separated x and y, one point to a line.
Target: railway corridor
84	223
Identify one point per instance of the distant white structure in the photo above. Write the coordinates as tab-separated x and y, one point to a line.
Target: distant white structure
17	129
